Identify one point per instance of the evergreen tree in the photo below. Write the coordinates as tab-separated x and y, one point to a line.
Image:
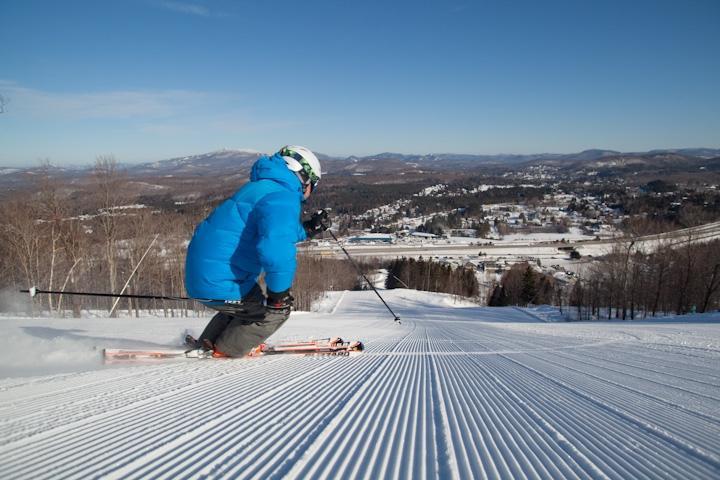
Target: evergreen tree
498	297
529	286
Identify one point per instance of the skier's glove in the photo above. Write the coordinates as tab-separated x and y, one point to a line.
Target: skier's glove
279	302
318	223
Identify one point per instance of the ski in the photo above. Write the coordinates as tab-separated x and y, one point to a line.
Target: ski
324	347
327	346
121	354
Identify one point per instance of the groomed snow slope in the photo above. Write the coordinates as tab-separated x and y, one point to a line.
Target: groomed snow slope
453	392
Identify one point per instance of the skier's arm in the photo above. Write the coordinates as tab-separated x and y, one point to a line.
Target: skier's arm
278	221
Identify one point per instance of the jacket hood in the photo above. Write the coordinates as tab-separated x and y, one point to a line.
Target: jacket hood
274	168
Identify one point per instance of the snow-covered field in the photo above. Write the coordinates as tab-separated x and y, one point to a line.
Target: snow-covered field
454	392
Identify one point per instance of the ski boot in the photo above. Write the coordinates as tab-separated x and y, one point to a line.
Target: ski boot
191	342
201	348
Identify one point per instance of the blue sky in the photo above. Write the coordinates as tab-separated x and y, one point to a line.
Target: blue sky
152	79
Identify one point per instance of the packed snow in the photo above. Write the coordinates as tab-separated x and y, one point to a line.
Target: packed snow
455	391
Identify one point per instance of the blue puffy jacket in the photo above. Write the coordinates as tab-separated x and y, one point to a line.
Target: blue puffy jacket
255	230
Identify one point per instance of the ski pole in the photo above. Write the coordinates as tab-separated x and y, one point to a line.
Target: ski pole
357	267
34	291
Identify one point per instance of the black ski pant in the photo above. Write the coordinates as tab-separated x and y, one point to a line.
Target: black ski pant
238	328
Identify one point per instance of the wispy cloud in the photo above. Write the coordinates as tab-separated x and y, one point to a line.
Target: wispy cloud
235	123
168	114
458	7
186	7
118	104
232	123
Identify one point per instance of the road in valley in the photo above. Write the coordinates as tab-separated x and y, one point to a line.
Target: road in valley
494	249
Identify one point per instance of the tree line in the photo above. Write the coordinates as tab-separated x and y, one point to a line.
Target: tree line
523	285
432	276
631	282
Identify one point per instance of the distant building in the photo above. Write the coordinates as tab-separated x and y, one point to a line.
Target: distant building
423	235
372	238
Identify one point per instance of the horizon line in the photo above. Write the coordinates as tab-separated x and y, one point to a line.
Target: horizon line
387	152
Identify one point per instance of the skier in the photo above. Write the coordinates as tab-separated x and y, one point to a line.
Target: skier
253	231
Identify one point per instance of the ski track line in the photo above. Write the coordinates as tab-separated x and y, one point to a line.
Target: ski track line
76	404
644	405
715	352
502	455
478	407
337	305
576	359
622	467
285	467
135	426
473	435
654	430
78	391
667	359
343	423
591	466
707	416
680	392
8	384
50	386
677	350
643	343
467	443
477	359
464	353
589	354
249	397
686	374
221	441
446	455
483	402
388	466
380	395
375	465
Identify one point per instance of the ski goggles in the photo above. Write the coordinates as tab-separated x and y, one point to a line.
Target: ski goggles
307	171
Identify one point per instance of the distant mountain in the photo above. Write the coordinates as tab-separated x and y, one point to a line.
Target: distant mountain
12	179
393	163
658	163
231	165
590	155
213	163
693	152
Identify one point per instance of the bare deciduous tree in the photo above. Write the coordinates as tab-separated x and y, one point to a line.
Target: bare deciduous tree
20	241
109	185
51	215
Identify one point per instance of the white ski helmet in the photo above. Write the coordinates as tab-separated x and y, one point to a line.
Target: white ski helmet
303	162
